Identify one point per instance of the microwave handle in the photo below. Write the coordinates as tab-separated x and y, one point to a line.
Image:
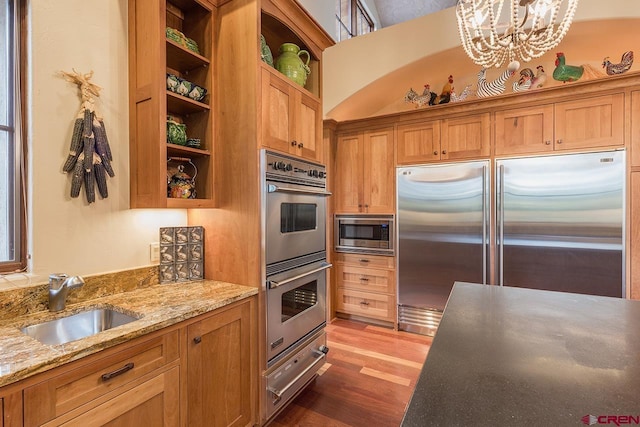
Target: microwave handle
271	188
273	284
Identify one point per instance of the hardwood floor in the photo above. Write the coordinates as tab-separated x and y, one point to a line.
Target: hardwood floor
367	381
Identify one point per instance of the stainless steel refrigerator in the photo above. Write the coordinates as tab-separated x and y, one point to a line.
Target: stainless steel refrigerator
550	222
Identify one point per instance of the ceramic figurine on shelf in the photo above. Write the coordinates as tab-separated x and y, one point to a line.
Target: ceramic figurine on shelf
524	83
445	95
540	78
265	51
420	100
566	73
622	67
463	95
497	86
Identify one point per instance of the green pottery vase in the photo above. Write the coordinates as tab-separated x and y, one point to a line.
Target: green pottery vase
290	64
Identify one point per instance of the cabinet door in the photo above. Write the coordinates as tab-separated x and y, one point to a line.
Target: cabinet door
378	172
589	123
220	349
277	113
348	191
634	233
524	130
634	144
466	137
155	402
11	410
308	127
418	143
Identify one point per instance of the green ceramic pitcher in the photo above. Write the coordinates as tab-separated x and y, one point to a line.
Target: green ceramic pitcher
290	64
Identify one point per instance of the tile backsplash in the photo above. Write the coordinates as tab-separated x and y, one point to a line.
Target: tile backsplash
181	254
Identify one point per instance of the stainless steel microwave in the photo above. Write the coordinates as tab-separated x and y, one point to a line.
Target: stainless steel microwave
372	234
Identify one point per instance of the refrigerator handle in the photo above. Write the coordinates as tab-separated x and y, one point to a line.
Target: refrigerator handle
484	224
501	224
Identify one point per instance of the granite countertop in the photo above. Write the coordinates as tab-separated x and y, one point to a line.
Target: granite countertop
157	306
513	356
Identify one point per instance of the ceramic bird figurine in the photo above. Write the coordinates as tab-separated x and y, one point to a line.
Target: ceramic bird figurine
622	67
566	73
420	100
463	95
524	83
495	87
540	78
432	95
445	95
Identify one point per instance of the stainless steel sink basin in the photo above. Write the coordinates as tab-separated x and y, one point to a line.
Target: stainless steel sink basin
77	326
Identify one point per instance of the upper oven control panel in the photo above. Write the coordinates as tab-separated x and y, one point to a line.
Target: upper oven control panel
291	169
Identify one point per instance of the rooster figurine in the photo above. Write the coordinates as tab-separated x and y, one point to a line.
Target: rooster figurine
566	73
622	67
431	95
445	95
540	79
463	95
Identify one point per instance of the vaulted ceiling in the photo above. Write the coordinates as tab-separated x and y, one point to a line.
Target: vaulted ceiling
396	11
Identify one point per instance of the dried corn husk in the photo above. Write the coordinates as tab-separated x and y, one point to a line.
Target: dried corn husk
89	154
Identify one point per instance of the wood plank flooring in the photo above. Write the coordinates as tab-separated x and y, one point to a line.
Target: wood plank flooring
367	381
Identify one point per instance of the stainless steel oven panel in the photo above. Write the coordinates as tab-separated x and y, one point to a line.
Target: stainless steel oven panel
310	204
296	305
285	380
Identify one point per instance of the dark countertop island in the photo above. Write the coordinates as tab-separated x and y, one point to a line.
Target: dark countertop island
507	356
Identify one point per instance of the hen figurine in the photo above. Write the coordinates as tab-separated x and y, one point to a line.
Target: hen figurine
432	95
622	67
463	95
540	79
566	73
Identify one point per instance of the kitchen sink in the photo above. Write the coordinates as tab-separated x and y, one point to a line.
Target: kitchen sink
77	326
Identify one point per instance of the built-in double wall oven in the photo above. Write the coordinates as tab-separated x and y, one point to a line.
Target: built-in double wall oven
296	281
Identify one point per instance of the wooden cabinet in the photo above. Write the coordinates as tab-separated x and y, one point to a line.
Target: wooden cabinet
152	56
291	117
446	139
365	163
366	286
220	360
11	409
634	143
137	384
596	122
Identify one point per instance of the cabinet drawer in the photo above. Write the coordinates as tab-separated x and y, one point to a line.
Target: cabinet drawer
364	260
95	377
379	306
366	279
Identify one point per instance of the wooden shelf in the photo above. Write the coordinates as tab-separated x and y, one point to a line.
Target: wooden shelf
179	104
181	150
189	203
182	59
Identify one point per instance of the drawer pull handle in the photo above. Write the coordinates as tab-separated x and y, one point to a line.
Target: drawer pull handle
364	303
364	260
125	368
197	340
364	279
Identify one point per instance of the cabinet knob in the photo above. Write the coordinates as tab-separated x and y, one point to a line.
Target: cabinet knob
547	142
435	153
559	141
444	151
294	143
197	340
300	145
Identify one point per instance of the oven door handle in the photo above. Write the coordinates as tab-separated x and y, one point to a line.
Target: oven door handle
278	393
271	188
273	284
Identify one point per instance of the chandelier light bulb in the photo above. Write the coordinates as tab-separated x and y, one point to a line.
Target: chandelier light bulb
494	32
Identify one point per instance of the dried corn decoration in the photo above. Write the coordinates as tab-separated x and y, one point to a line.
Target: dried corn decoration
90	156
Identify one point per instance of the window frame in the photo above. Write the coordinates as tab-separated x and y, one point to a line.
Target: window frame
17	16
356	9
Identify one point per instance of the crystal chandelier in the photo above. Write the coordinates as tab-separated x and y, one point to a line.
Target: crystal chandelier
493	32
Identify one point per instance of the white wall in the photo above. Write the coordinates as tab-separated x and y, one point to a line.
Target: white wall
69	235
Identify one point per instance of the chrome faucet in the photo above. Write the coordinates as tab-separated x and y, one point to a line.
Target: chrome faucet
59	285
